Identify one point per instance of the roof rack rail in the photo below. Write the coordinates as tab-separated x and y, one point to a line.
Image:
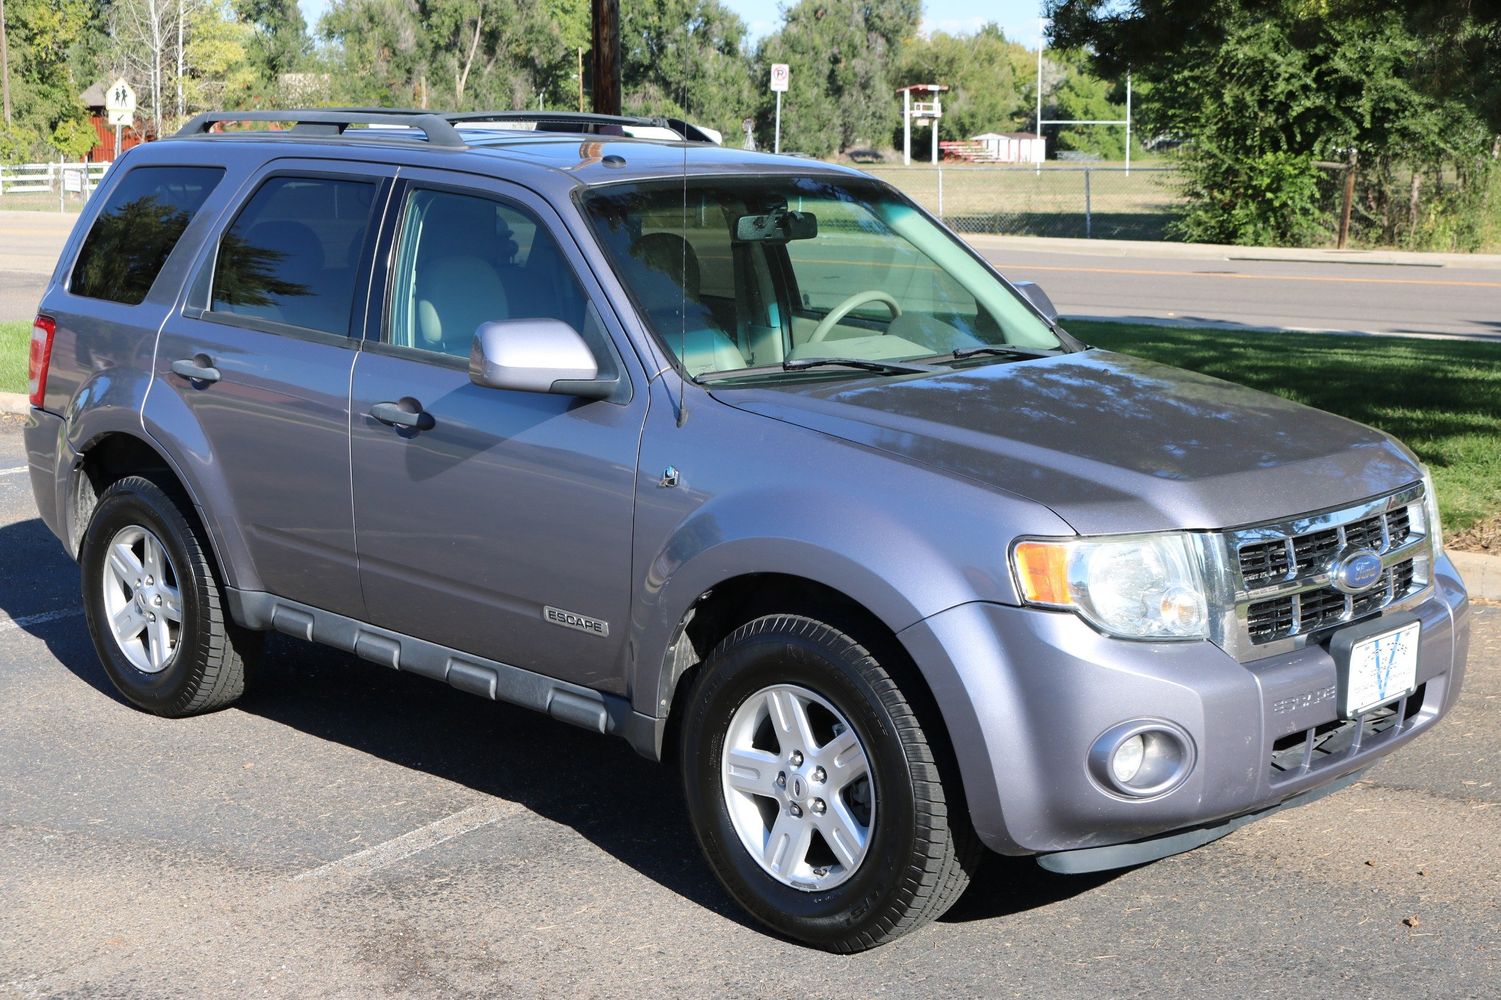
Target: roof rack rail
333	122
580	121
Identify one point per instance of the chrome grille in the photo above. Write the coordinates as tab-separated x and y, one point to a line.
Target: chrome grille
1282	574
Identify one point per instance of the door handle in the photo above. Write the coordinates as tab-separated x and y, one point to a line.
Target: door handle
396	415
198	368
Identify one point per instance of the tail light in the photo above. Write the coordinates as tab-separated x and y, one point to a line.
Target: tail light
40	356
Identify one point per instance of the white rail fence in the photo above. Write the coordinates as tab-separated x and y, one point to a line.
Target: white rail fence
65	180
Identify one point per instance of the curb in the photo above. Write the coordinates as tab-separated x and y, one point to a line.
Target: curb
15	403
1481	573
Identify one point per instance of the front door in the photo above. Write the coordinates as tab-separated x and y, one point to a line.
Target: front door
261	357
501	523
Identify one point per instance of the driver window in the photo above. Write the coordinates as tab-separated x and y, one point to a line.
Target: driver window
464	260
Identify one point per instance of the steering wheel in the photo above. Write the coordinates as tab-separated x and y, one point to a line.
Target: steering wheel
850	304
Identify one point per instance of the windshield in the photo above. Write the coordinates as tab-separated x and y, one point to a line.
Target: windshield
757	273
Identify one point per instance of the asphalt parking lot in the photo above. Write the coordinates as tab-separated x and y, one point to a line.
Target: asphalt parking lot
348	831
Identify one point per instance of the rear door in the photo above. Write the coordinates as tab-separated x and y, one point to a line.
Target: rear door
502	526
261	357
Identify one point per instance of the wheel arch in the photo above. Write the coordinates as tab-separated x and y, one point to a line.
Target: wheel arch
734	601
113	455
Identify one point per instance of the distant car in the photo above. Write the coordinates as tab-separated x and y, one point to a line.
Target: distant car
742	458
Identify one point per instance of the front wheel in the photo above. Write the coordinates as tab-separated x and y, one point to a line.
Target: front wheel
815	791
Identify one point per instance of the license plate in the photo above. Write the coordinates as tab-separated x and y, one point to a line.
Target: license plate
1380	669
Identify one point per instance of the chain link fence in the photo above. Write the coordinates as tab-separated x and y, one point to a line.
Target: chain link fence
1097	202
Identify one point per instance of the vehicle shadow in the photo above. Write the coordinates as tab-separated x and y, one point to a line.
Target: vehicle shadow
627	806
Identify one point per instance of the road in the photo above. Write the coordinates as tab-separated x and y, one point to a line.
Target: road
1155	283
348	831
1313	290
30	243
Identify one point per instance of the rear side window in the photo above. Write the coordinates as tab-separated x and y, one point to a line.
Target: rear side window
292	254
137	229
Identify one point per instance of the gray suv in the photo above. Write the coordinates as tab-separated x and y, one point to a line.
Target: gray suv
742	458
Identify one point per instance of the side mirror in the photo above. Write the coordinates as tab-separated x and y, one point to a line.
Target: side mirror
536	355
1034	294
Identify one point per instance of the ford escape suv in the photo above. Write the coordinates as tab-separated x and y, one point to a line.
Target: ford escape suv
742	458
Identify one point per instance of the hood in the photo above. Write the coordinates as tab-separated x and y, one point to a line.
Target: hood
1110	442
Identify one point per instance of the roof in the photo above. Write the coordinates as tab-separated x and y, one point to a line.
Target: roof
925	87
1006	135
566	151
94	96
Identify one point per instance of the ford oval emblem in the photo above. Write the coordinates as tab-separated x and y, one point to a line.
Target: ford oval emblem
1357	571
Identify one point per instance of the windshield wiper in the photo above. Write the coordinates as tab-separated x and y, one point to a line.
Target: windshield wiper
999	349
883	367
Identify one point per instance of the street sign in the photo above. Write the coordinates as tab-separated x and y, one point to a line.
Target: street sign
120	98
779	75
120	105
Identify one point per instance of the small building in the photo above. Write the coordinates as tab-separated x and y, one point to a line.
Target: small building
1013	147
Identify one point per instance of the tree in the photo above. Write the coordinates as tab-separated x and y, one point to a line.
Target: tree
280	43
39	36
1082	96
685	58
1262	90
842	89
991	79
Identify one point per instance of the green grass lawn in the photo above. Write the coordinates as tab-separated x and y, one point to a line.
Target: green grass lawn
1442	398
15	342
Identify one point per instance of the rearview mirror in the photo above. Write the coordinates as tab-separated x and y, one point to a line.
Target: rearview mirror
1034	294
777	226
536	355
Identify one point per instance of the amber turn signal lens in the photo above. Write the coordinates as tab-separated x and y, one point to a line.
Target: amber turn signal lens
1042	571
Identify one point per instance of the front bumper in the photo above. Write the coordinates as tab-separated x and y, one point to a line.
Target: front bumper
1025	694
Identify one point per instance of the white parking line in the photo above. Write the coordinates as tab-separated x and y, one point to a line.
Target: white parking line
388	853
6	624
12	471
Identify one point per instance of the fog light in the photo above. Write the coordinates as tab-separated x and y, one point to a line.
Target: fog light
1141	759
1126	760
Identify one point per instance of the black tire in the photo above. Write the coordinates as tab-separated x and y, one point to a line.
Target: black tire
206	670
920	855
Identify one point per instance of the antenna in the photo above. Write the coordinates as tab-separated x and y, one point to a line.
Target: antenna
683	276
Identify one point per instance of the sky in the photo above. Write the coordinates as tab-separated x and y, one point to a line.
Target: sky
1017	18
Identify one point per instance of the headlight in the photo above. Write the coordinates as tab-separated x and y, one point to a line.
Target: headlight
1430	514
1134	587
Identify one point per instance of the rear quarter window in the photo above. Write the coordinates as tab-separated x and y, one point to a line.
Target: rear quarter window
136	230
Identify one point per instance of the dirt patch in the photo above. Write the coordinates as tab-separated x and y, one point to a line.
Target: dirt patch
1484	536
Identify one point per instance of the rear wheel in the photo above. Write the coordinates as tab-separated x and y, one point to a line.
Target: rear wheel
155	608
815	791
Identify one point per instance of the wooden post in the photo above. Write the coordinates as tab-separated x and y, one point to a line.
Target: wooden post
606	57
1348	201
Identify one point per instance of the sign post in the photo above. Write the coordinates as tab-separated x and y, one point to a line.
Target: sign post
120	103
779	77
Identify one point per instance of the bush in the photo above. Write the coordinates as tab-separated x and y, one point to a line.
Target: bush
1271	200
17	144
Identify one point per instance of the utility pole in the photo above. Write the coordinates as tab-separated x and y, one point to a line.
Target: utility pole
4	64
606	57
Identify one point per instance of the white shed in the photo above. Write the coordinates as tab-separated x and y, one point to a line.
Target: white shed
1013	147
